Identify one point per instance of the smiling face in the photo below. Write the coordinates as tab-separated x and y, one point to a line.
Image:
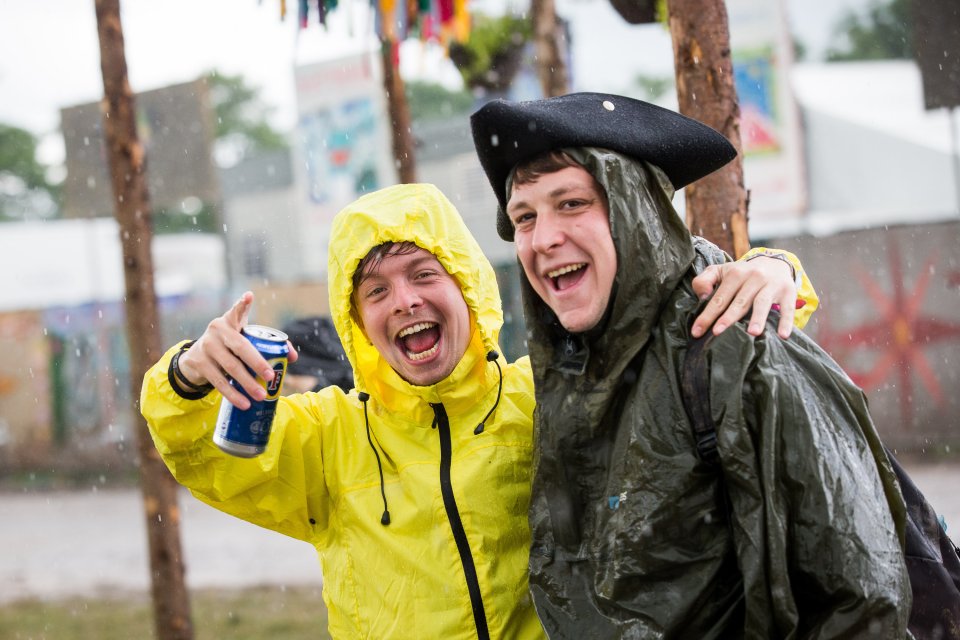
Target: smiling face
562	236
414	313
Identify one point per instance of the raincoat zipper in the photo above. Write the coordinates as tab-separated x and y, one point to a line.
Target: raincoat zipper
453	515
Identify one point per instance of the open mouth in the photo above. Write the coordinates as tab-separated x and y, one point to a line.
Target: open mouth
567	276
420	341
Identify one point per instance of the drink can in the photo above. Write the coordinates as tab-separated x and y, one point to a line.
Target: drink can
245	432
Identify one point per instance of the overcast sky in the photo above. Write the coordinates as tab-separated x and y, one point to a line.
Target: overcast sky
49	55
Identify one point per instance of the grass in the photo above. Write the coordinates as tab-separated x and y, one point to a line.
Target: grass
249	614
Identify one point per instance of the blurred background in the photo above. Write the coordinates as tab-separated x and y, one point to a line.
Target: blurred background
261	119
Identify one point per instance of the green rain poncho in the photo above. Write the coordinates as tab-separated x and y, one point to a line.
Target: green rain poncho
799	535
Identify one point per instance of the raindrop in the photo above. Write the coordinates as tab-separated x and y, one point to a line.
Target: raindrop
494	141
723	225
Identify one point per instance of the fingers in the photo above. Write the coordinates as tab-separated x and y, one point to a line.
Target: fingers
707	281
712	276
737	297
788	307
731	301
223	353
292	354
743	286
240	311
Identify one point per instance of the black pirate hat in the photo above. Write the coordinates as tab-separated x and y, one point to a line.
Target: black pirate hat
505	133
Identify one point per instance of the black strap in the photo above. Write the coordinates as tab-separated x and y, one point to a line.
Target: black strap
181	386
695	386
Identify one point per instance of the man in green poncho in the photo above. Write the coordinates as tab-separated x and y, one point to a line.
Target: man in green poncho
797	531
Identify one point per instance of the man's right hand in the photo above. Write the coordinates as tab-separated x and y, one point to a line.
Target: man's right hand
223	351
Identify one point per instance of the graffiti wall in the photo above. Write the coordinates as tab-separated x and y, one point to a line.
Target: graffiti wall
65	381
890	315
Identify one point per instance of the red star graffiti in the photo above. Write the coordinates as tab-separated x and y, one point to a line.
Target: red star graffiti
900	333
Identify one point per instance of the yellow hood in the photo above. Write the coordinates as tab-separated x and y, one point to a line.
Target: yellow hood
422	214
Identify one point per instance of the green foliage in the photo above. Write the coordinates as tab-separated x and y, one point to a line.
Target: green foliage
490	58
652	87
241	117
250	614
24	189
431	101
882	33
172	221
799	50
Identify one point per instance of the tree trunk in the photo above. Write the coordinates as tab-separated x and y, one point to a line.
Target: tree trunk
132	209
399	112
547	38
717	204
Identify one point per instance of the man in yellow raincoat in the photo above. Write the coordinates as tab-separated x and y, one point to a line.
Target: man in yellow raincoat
413	487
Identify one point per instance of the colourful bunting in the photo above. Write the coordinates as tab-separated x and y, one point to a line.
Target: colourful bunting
439	21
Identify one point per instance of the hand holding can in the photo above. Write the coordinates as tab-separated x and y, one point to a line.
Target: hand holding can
245	432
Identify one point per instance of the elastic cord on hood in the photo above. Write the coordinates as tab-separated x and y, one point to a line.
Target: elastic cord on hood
491	357
363	396
385	518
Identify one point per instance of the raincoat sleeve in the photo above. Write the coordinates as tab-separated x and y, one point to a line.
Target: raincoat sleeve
816	515
282	489
708	253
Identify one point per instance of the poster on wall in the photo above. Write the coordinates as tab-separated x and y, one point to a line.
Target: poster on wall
343	140
342	151
770	124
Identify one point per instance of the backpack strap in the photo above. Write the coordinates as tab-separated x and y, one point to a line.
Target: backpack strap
695	387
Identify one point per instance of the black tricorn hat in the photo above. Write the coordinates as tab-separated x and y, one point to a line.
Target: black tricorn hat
505	133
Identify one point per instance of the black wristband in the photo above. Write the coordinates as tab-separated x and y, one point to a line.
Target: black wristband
181	386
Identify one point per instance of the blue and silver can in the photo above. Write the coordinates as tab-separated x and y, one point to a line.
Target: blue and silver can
245	432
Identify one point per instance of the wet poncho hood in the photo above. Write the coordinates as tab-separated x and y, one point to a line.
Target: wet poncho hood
796	533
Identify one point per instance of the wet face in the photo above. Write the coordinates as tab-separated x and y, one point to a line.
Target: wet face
414	313
562	236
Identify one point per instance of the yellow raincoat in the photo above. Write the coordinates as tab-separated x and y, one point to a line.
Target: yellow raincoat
452	562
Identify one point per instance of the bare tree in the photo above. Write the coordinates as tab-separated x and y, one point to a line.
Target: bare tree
717	204
398	110
549	45
126	158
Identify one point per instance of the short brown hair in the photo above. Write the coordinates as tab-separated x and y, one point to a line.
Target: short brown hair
531	169
371	262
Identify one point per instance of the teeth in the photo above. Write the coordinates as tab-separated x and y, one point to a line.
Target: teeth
424	354
567	269
420	326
